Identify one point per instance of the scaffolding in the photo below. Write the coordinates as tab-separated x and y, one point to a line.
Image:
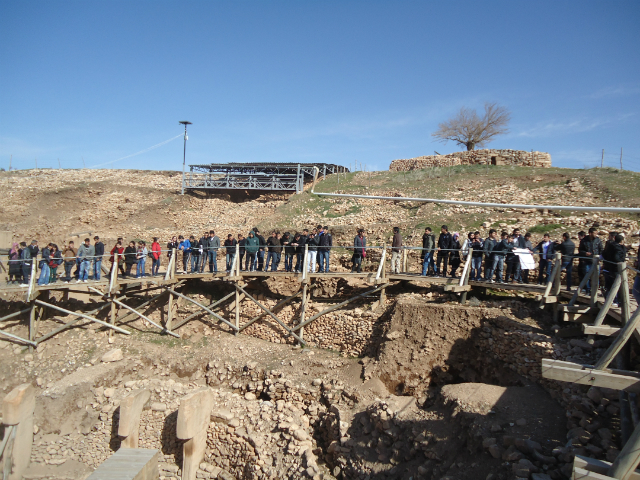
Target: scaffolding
257	177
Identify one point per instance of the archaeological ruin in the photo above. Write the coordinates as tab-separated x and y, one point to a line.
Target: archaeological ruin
475	157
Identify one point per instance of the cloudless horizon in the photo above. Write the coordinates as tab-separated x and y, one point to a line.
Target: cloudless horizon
291	81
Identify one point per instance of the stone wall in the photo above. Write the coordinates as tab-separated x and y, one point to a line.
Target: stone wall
475	157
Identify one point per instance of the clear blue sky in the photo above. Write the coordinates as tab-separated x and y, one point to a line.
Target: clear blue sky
325	81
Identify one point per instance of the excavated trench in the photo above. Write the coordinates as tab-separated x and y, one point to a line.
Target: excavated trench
441	379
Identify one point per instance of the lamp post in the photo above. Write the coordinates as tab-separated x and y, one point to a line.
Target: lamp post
184	154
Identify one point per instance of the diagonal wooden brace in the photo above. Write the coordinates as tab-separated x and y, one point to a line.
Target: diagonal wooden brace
211	312
64	310
268	312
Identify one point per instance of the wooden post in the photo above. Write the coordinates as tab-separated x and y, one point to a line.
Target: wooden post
623	294
32	324
595	280
170	311
112	317
465	276
303	307
383	292
628	459
237	309
558	272
404	260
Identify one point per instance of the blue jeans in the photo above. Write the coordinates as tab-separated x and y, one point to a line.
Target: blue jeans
323	260
568	266
252	261
476	268
195	263
584	270
288	262
497	266
545	270
140	267
271	257
275	262
26	272
85	266
230	257
299	261
97	269
44	274
636	289
213	261
261	260
427	262
155	266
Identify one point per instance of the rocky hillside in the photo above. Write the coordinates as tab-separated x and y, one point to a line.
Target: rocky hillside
55	204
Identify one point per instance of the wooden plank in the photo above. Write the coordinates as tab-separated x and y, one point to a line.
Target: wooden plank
598	466
574	308
581	474
457	288
622	338
602	330
590	376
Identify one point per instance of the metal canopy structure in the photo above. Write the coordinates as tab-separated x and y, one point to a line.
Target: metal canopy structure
259	177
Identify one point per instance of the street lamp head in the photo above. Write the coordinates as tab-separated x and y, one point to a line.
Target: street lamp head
185	123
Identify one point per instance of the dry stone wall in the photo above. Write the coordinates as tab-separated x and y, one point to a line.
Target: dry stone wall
475	157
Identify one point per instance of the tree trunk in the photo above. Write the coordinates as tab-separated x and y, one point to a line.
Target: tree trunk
470	146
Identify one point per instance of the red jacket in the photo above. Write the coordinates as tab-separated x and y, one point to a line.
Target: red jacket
156	250
113	250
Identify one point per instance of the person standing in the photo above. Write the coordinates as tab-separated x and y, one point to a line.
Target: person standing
44	265
528	246
499	252
185	247
476	257
251	245
590	246
117	249
614	253
204	251
455	254
97	261
141	259
288	251
568	250
428	246
272	242
312	250
241	252
15	267
156	252
56	260
26	260
261	250
299	242
130	258
489	246
213	245
396	249
324	250
445	241
545	248
196	251
85	253
230	244
359	251
69	255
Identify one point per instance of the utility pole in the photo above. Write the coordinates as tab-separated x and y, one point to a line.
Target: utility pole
83	165
59	167
184	153
621	158
36	163
602	159
10	160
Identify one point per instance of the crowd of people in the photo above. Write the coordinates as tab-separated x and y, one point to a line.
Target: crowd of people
497	256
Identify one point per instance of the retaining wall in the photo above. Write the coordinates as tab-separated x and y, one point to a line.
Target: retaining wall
475	157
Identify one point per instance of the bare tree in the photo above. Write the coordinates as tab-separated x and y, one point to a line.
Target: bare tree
472	131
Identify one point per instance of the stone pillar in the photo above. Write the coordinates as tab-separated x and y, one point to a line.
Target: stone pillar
194	415
17	410
130	411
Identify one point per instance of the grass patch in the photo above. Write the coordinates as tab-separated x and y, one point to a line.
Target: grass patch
545	228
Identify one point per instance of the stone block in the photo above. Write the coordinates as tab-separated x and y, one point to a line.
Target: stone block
130	411
129	464
17	410
114	355
193	420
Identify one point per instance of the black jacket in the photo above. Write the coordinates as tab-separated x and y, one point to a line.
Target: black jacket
589	246
231	246
286	241
241	250
130	255
170	247
568	250
540	250
520	242
489	246
326	241
261	241
302	241
445	240
614	253
313	243
99	246
477	248
274	245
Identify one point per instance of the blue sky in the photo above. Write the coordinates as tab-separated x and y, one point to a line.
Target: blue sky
331	81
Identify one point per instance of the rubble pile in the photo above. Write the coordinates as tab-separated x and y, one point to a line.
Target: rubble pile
482	157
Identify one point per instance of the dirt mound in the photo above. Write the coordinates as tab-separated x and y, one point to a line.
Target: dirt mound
431	344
